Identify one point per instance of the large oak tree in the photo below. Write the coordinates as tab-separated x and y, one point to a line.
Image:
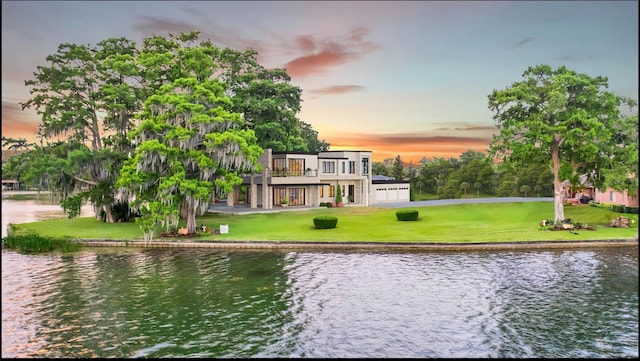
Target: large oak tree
571	120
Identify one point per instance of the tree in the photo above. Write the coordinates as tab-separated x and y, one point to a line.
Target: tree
538	189
525	189
91	95
465	187
338	195
477	186
16	144
397	171
378	168
566	117
71	94
188	142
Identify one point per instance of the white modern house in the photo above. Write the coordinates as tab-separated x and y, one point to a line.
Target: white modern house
308	179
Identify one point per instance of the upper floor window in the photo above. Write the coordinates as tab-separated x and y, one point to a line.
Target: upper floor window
352	167
328	167
343	168
365	166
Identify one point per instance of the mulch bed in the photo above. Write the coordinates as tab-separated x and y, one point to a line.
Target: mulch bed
576	227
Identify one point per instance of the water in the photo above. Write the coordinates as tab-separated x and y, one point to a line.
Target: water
37	207
113	302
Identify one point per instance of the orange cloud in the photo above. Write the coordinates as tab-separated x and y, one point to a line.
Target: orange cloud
410	147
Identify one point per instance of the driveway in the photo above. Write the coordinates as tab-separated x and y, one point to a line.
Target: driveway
243	209
440	202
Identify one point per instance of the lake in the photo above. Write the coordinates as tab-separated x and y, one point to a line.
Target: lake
175	303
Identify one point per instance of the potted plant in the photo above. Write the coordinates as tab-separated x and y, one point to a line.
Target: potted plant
284	201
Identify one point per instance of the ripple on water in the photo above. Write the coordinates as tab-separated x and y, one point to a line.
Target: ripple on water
206	303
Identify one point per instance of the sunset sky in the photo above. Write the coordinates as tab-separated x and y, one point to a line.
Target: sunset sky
397	78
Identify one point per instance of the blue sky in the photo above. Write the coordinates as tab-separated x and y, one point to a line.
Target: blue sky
397	78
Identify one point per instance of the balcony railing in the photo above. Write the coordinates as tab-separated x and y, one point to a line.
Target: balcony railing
285	172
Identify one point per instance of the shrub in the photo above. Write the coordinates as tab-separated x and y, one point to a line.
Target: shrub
407	215
329	205
325	222
34	243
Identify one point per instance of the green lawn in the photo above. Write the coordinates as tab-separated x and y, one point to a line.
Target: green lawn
494	222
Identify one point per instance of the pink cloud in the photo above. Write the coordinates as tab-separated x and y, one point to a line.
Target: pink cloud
337	89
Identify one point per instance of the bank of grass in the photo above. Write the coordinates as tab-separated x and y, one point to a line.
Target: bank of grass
462	223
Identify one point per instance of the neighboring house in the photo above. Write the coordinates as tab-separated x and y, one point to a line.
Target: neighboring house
10	185
583	189
610	196
308	179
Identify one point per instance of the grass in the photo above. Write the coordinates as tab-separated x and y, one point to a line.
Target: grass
462	223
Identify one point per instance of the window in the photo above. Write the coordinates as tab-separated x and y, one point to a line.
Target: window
296	167
321	190
612	197
332	191
343	168
279	167
328	167
365	166
352	167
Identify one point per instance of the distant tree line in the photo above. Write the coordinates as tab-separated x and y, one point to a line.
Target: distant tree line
471	174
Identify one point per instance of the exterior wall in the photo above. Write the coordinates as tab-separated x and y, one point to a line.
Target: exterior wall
322	171
609	196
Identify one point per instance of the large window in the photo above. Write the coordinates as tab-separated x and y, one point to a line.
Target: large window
332	191
296	167
365	166
288	167
279	167
295	196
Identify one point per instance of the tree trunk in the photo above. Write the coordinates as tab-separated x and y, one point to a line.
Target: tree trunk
108	214
191	220
558	207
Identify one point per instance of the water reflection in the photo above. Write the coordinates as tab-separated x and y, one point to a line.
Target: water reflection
114	302
33	207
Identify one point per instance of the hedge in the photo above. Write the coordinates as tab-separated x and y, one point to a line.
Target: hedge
325	222
407	215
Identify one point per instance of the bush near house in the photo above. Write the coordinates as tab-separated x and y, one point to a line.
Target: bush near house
325	222
618	208
407	215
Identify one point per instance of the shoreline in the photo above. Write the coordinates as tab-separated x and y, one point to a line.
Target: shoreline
376	246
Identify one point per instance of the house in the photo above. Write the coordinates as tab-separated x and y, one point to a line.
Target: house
610	196
584	189
308	179
10	185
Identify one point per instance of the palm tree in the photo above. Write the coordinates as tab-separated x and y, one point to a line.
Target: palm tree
465	186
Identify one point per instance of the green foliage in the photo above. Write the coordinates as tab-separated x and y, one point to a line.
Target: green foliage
34	243
571	121
338	194
72	205
325	222
407	214
397	170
